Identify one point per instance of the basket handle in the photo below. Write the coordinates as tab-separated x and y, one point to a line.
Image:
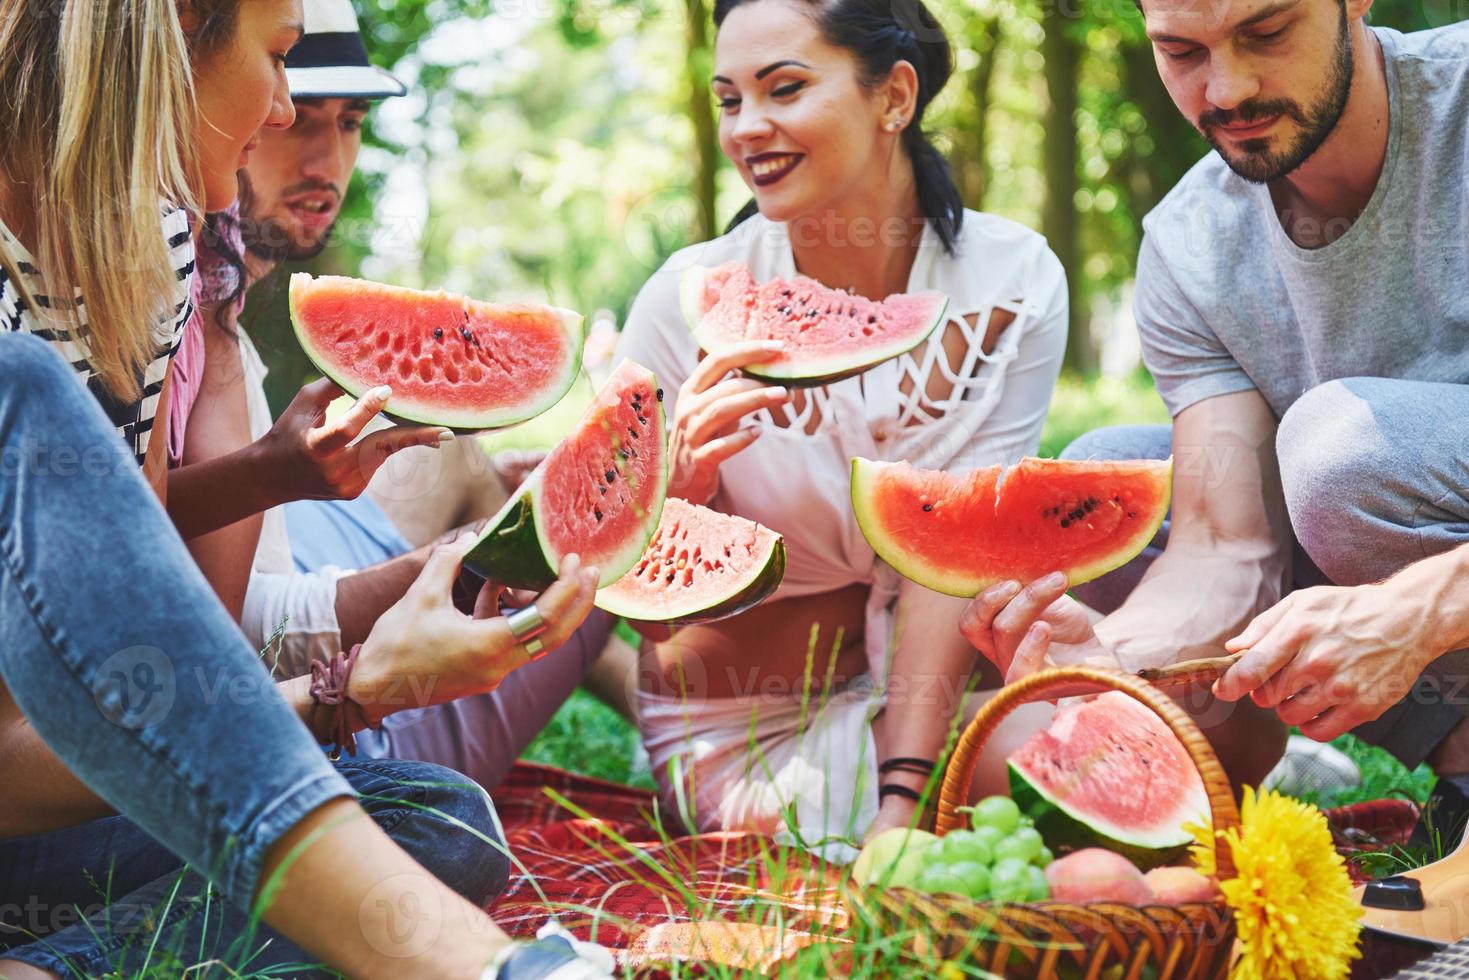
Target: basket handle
960	773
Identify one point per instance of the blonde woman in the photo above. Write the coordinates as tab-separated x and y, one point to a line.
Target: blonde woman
126	686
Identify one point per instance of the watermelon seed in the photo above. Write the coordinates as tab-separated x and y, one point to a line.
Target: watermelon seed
602	490
872	319
660	394
611	475
1065	522
464	331
438	333
927	508
597	514
633	432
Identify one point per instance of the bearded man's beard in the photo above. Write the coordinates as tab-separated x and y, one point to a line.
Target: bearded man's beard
1253	160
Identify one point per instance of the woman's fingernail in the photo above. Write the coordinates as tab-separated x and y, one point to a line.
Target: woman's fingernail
445	435
779	393
774	345
1054	580
592	574
381	393
570	563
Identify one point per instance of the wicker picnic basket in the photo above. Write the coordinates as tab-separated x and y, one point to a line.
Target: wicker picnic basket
1057	939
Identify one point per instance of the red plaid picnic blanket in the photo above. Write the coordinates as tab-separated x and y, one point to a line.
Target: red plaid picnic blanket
612	876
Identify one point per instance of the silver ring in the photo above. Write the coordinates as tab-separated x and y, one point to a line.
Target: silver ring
526	624
532	647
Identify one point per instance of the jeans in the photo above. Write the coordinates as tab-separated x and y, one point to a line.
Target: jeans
117	652
1376	477
139	902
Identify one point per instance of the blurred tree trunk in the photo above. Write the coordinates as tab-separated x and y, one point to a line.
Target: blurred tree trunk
1176	144
1059	219
971	171
697	59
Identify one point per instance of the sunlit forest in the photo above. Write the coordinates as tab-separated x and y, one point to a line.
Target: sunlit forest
560	149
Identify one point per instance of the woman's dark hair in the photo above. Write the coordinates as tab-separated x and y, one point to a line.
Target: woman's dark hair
880	33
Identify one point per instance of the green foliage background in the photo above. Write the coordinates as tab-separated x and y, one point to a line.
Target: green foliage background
563	148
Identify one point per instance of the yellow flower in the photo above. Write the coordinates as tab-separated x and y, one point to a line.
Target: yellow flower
1291	896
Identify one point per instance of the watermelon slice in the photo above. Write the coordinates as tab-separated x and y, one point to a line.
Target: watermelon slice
599	493
700	566
451	361
961	534
1109	773
829	334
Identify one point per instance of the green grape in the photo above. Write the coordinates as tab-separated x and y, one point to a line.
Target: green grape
1044	859
976	878
999	812
988	836
965	845
940	879
1039	889
1024	845
1010	881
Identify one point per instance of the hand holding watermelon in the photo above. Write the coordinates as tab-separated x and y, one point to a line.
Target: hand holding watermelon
307	456
706	419
1022	630
424	651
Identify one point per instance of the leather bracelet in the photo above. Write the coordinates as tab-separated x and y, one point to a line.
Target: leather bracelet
329	681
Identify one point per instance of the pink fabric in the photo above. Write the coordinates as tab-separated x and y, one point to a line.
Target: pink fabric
216	278
188	377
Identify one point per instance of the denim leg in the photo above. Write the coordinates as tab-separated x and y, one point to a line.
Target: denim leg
424	808
1376	477
1106	593
482	736
116	650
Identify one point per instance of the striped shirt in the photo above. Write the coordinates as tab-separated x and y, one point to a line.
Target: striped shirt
134	419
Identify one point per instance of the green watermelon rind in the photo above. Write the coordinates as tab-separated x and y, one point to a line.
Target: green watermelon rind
514	549
468	423
808	372
757	589
912	566
1065	828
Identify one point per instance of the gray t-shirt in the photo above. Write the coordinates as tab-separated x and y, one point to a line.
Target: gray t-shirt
1226	302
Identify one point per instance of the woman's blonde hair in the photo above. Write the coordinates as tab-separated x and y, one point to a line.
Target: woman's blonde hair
100	98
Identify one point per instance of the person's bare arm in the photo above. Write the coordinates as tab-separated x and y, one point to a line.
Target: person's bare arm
1229	548
1228	558
219	424
303	457
932	663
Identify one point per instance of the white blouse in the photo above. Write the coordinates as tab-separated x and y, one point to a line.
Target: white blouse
796	478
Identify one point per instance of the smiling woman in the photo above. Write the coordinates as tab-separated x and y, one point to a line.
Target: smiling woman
821	110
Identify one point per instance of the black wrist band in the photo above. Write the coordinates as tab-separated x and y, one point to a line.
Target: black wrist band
919	767
893	789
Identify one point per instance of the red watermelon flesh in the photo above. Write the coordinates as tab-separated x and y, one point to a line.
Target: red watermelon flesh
1109	772
598	494
450	360
599	486
700	566
829	334
960	534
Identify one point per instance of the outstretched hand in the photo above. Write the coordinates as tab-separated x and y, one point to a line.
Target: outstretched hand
311	458
425	651
1022	630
